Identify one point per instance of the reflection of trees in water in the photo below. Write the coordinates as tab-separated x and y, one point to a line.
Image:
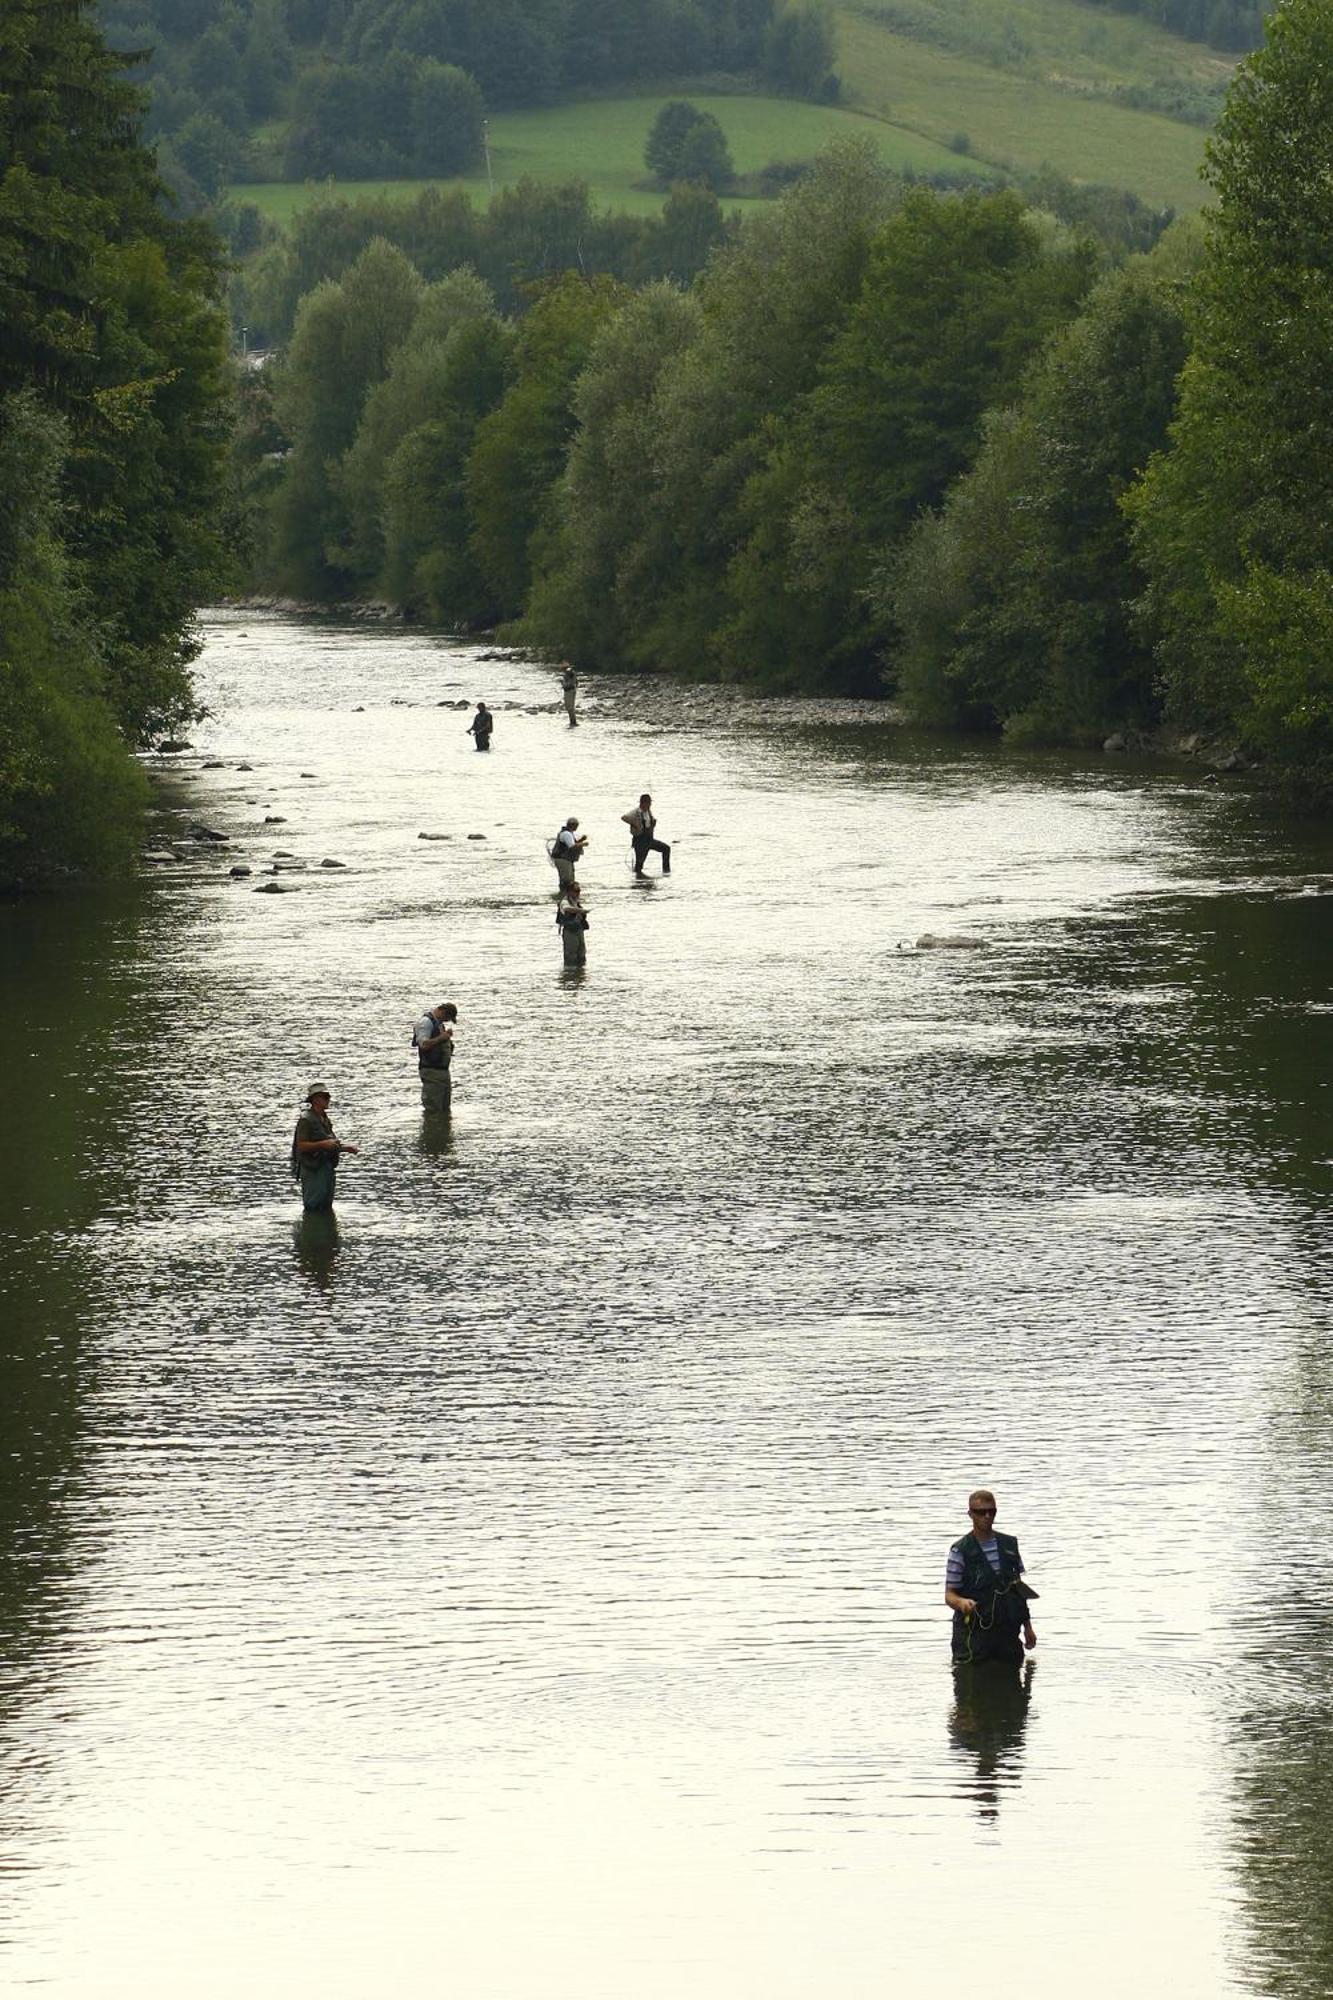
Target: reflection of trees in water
987	1724
1281	1723
70	1013
1284	1832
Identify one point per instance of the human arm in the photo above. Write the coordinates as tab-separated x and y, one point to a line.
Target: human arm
957	1602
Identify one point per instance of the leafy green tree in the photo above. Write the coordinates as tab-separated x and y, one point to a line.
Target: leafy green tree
419	386
800	50
704	157
1013	603
447	113
427	519
606	495
70	798
345	338
672	125
117	396
772	302
1232	523
520	447
958	295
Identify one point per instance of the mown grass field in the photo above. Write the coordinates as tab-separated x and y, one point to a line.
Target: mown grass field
601	141
1021	121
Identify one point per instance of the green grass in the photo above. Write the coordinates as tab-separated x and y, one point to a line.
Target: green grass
1030	82
1059	40
601	141
1020	120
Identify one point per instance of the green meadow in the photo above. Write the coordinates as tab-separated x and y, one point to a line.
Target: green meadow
1026	84
601	141
1021	121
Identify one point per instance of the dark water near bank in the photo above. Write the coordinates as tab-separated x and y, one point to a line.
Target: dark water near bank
528	1588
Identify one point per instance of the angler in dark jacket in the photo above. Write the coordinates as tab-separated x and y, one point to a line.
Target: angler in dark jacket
984	1588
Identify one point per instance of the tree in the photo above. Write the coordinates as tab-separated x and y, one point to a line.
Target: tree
704	157
114	375
672	125
520	447
800	50
607	492
957	297
1013	602
1232	523
447	114
344	341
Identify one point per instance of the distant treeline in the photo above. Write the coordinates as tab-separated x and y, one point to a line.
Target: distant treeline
890	438
115	408
289	89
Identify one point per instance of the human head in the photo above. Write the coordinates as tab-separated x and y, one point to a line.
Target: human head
981	1505
481	704
645	798
574	890
318	1093
572	824
448	1011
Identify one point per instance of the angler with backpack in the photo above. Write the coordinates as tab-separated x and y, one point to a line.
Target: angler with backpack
433	1040
565	850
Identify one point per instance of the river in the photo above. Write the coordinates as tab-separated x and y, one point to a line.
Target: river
528	1587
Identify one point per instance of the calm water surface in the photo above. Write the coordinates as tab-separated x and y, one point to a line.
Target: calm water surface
528	1587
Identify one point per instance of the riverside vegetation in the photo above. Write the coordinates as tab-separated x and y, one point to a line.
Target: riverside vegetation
115	401
1027	473
888	439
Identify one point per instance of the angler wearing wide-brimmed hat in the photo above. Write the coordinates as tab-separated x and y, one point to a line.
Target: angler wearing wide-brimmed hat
316	1150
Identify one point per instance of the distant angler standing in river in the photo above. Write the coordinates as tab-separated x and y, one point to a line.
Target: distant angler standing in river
481	725
569	688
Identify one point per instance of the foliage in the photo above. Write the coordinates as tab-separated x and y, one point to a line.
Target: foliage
1012	602
800	50
113	332
957	297
1232	522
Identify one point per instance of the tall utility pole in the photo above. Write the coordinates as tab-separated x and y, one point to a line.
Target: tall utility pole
486	149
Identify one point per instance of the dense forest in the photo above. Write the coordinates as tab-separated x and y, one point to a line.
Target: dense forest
291	89
891	437
115	408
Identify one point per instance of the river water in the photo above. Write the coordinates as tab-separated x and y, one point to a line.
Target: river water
528	1586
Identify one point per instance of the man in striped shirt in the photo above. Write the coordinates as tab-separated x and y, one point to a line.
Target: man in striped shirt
983	1588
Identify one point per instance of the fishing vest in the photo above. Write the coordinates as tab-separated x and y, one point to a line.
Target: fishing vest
319	1127
993	1629
438	1057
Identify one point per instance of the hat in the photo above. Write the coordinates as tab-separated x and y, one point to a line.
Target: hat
318	1090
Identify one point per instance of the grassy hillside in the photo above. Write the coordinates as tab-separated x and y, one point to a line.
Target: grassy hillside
601	142
1026	84
1020	121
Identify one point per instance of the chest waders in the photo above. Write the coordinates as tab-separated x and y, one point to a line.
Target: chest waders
994	1631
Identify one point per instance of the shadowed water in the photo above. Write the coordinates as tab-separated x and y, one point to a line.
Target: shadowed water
527	1584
